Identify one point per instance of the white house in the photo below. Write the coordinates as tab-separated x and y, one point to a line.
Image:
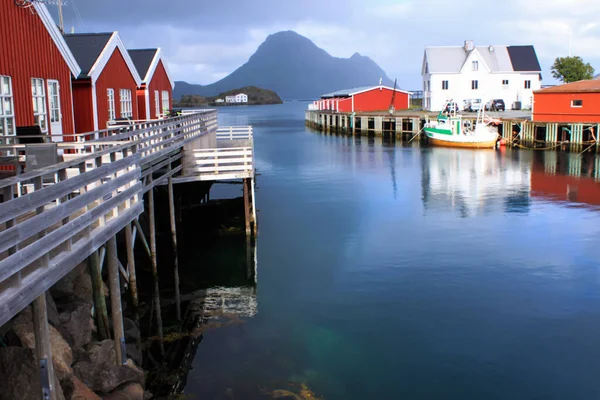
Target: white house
241	98
219	101
459	73
229	99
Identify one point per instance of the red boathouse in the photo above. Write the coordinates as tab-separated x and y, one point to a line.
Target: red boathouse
576	102
155	95
370	98
36	67
106	88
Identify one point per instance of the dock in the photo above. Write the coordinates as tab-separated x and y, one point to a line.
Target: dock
516	128
75	196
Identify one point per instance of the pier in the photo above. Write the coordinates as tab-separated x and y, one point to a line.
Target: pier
73	198
516	128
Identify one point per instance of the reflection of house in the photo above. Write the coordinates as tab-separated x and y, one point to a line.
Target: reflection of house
510	73
474	182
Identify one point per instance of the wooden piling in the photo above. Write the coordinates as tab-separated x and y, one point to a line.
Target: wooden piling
115	300
254	219
99	300
131	266
246	207
159	325
43	349
175	251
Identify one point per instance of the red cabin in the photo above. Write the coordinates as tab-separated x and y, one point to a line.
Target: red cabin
371	98
36	67
155	95
105	90
577	102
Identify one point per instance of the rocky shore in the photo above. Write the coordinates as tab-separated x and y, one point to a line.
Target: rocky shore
85	368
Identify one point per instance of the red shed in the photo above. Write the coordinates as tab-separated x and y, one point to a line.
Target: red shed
577	102
370	98
106	88
155	96
35	71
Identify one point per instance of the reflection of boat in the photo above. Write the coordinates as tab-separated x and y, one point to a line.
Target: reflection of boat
450	130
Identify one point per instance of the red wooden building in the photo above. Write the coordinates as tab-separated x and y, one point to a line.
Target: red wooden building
155	95
577	102
36	67
370	98
106	88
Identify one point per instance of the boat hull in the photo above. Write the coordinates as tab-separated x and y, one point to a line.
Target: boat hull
468	145
482	139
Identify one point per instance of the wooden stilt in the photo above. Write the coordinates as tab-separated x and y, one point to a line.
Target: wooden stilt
99	300
140	234
254	219
131	266
42	348
115	300
175	255
246	206
159	327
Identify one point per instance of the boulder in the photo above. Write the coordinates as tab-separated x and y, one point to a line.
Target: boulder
132	332
20	375
75	286
105	378
77	324
131	391
62	357
76	390
134	351
103	352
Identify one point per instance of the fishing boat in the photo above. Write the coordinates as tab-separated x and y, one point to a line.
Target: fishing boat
450	130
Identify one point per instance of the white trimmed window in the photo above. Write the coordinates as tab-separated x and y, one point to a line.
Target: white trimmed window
444	85
577	103
40	112
165	101
126	104
474	85
527	84
157	103
504	83
475	65
7	112
110	94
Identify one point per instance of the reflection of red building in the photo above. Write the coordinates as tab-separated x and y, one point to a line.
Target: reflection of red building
565	188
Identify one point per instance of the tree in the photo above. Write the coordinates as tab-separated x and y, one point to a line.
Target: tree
571	69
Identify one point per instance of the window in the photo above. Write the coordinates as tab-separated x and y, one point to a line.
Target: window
527	84
505	84
576	103
474	85
475	65
110	93
157	103
40	114
7	113
126	108
444	85
165	101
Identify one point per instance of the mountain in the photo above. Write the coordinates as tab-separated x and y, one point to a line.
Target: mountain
295	68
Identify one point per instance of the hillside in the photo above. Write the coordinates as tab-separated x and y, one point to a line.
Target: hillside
295	68
256	96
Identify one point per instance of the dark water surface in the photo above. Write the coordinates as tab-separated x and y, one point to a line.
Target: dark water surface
388	271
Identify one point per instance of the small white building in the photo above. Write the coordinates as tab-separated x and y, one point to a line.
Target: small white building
229	99
219	101
241	98
459	73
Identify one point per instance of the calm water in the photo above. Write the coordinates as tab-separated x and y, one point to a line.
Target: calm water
400	272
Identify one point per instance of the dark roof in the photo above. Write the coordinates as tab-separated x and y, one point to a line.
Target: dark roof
523	58
142	58
86	47
587	86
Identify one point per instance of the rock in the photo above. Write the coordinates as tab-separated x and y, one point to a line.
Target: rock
78	391
62	357
132	391
77	325
75	286
20	375
103	352
134	352
132	332
105	378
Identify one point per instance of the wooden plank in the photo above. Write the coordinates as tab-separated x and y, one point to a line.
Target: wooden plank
220	160
129	244
175	250
115	300
161	165
162	179
98	293
220	169
159	327
43	349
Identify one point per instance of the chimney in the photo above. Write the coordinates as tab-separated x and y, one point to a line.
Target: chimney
469	45
491	48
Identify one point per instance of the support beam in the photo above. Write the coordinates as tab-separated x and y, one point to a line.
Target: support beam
99	300
42	348
175	250
254	219
115	300
159	327
129	242
142	237
246	207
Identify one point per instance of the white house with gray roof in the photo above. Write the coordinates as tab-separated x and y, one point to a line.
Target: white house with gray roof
460	73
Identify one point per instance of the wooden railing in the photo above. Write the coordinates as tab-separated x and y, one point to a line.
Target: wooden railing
218	164
234	133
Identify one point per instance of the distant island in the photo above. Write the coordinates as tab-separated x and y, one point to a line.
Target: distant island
256	96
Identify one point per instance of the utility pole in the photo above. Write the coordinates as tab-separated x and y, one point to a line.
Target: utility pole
60	17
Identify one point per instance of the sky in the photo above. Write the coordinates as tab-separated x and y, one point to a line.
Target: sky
205	41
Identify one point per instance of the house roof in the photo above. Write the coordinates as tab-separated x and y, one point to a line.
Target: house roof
86	48
58	39
94	50
353	91
588	86
146	61
450	59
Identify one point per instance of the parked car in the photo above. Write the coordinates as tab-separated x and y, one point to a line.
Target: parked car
451	106
472	105
495	105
